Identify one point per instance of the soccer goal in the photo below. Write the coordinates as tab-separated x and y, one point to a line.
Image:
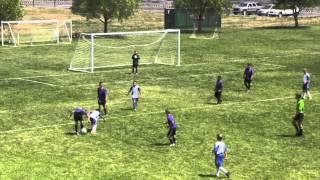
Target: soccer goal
100	50
36	32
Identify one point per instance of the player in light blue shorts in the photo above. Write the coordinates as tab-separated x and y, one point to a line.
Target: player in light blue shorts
220	153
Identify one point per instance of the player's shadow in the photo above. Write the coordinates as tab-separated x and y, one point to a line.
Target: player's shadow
160	144
126	109
287	135
70	133
207	175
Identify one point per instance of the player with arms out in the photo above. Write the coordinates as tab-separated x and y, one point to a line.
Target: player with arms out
135	62
102	95
248	76
78	114
219	151
135	92
298	117
306	84
172	128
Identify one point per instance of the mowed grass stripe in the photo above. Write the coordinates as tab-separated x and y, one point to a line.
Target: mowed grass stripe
158	112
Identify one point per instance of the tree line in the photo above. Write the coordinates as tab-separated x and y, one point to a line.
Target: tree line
108	10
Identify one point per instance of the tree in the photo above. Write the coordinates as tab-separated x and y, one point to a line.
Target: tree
105	10
10	10
297	6
199	8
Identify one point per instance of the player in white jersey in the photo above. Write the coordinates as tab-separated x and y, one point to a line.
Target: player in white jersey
306	84
135	92
219	151
93	118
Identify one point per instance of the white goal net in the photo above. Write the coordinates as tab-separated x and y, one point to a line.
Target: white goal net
36	32
100	50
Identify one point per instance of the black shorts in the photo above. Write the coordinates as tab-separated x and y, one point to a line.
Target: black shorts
78	117
299	118
305	87
135	64
171	132
247	80
102	102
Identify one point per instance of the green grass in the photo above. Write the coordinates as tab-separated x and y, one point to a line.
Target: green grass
130	145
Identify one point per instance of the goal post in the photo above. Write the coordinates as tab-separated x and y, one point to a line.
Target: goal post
36	32
101	50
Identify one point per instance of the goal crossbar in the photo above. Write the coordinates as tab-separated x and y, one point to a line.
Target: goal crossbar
133	32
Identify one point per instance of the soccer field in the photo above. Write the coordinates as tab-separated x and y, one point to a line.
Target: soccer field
38	93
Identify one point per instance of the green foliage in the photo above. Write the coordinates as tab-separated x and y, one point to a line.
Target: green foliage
10	10
297	6
105	10
201	7
36	140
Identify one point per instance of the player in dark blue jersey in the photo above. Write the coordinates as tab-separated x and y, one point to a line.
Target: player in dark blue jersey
172	128
248	76
78	114
102	97
135	62
218	89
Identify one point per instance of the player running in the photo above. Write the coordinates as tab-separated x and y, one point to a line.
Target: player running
218	89
219	151
93	118
135	62
306	84
248	76
172	128
78	114
298	117
135	92
102	97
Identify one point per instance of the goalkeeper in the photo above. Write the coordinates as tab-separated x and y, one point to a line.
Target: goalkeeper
135	62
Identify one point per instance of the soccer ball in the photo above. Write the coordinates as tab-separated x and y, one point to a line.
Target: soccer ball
83	131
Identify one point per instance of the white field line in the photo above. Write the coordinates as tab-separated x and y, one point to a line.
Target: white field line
38	82
155	112
237	71
73	74
275	65
196	64
100	72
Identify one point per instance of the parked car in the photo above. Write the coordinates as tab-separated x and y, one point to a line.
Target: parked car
247	8
265	10
282	12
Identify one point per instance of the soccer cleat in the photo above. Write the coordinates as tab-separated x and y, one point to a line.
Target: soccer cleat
134	110
172	145
228	174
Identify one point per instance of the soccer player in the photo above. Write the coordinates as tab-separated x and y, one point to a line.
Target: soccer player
248	76
218	89
102	97
298	117
78	114
93	118
306	84
135	62
135	92
172	128
219	151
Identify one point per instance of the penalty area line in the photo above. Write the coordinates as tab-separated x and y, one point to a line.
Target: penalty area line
155	112
38	82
